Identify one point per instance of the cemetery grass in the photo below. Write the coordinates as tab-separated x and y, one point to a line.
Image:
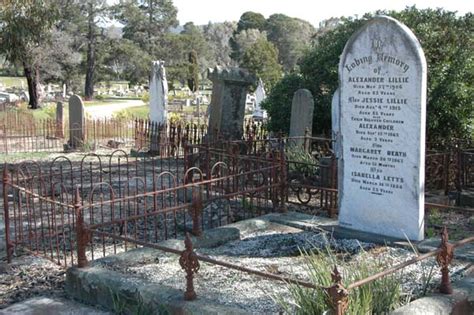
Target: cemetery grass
13	81
140	112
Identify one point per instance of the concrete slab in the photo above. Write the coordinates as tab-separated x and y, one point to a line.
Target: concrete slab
459	303
50	306
315	223
465	252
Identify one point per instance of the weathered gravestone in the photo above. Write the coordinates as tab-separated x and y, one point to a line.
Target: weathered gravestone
302	109
59	120
227	108
382	75
76	122
158	105
260	95
158	93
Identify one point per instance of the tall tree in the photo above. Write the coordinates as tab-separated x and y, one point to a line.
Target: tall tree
243	40
217	36
24	27
146	22
94	10
194	40
291	36
261	58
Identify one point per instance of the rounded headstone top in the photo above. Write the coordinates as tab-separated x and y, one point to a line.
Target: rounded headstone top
303	93
231	74
383	32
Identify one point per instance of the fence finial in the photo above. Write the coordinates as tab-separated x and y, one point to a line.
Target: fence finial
190	263
338	294
444	258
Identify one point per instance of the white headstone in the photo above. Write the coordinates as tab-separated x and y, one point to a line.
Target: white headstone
64	90
258	112
382	73
158	93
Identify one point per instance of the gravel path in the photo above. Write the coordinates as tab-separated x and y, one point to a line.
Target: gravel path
107	111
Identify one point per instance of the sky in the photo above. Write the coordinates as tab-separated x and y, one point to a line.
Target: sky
314	11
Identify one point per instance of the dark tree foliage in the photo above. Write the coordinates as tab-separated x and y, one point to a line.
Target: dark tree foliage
250	20
25	26
448	44
278	103
193	79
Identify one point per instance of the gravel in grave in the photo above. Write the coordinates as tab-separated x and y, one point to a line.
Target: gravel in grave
268	251
277	252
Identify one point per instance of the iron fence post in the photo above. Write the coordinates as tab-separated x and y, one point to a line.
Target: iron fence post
284	179
444	258
6	182
196	211
82	236
190	263
338	294
306	140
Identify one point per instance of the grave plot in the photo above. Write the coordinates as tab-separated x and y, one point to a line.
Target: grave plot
247	272
125	199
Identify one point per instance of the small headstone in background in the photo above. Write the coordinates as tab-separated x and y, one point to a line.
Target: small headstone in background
258	112
382	73
302	108
59	120
76	122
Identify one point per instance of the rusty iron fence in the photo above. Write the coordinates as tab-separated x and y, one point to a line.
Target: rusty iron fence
310	172
146	199
74	212
22	133
149	134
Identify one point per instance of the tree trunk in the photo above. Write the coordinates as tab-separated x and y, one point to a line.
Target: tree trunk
89	85
32	78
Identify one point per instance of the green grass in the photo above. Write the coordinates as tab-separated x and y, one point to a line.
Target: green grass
140	112
13	81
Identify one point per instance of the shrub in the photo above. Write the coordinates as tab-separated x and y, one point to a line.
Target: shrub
377	297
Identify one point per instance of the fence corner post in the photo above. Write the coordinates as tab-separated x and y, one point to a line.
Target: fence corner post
338	294
190	263
444	258
6	213
82	237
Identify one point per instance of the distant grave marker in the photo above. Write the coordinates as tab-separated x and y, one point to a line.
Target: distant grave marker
227	108
382	112
76	122
302	109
